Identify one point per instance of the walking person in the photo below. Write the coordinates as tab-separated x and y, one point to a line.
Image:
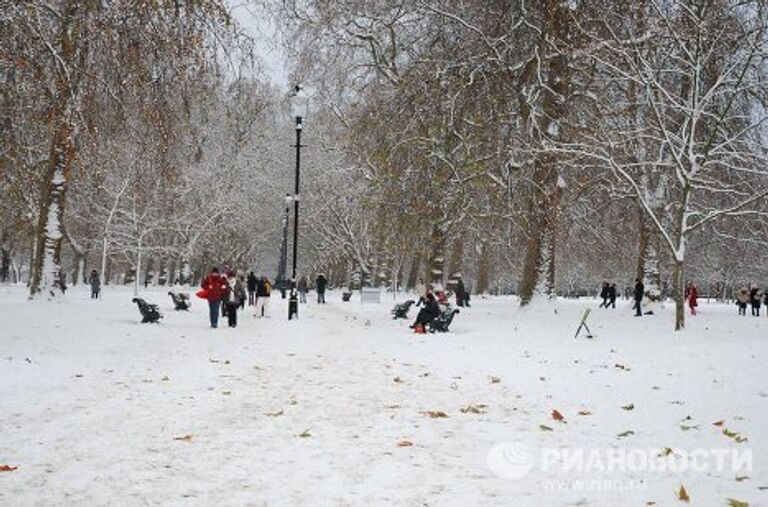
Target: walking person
95	283
755	298
240	292
604	295
251	289
231	299
461	292
215	288
765	301
611	296
742	299
320	285
303	287
639	291
263	292
693	298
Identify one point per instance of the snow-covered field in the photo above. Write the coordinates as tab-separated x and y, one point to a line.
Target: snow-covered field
333	409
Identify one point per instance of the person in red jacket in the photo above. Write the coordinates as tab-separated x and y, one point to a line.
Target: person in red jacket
693	298
217	288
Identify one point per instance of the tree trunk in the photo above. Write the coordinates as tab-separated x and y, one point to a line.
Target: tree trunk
544	206
484	268
436	264
678	291
413	272
47	262
5	264
137	271
46	270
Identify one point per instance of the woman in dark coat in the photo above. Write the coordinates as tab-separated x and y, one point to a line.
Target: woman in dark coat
755	300
428	313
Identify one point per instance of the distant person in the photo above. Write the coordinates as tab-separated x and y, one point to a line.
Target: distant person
604	295
215	287
240	292
231	299
95	283
693	298
755	299
427	314
639	291
263	293
765	301
461	291
251	288
303	287
611	296
320	285
742	300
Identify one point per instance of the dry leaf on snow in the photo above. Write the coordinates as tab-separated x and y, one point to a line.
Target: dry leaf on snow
557	416
185	438
682	494
7	468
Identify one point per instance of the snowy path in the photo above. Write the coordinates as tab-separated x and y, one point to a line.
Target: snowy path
93	402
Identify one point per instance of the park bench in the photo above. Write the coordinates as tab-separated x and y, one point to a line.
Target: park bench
180	300
149	312
400	311
441	323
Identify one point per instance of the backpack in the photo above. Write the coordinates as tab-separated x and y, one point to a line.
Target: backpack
267	288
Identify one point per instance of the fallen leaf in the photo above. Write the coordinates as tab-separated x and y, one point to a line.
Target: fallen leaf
682	494
393	406
495	380
305	433
742	478
7	468
544	427
732	502
397	379
666	451
557	416
625	434
274	414
185	438
474	409
584	412
718	423
435	414
405	443
736	436
631	406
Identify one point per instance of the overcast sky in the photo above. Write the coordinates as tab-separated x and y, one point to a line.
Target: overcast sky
259	26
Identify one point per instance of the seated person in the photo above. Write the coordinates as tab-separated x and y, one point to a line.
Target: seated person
427	314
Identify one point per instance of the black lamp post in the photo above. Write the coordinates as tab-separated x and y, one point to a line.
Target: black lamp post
299	106
282	276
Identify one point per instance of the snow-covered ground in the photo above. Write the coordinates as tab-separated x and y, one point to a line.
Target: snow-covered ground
333	409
